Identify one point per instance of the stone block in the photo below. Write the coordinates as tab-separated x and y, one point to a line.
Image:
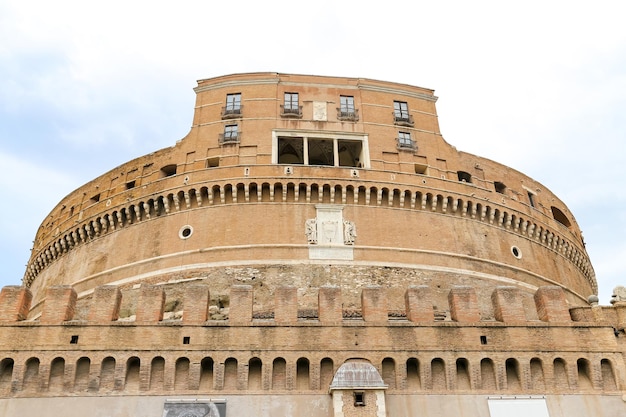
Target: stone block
196	304
105	306
374	304
150	304
329	305
508	304
286	305
59	305
551	304
14	303
419	304
241	299
463	304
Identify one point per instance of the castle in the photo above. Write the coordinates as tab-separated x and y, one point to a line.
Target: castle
312	247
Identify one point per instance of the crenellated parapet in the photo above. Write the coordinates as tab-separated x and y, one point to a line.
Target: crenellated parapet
286	353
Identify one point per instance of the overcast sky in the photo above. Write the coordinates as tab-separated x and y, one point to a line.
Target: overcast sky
537	85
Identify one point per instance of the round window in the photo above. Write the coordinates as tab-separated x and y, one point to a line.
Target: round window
185	232
516	252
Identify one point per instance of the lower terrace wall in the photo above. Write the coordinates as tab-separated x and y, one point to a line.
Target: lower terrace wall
318	405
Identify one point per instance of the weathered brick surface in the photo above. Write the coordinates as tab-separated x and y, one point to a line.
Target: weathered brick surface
196	304
150	304
105	306
551	304
508	304
14	303
60	304
286	305
419	304
374	304
463	304
241	299
329	304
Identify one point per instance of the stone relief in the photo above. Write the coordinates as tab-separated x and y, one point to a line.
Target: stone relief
349	232
207	409
328	231
310	229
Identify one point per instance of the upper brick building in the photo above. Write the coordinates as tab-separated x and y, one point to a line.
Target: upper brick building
312	247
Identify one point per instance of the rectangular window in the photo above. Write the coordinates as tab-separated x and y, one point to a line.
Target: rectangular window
347	111
233	106
319	149
230	135
404	140
291	101
531	199
401	113
291	106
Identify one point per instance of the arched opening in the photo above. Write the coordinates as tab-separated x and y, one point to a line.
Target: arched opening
438	374
57	373
6	373
81	378
487	375
107	374
255	374
462	374
230	374
536	374
560	375
157	373
279	374
513	381
181	374
132	374
302	374
31	375
608	377
413	374
464	176
326	373
584	374
206	374
389	372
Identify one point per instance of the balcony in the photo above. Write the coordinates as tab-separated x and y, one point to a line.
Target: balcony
403	119
348	115
406	145
294	112
229	138
231	112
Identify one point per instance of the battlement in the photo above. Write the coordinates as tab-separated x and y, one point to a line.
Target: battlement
550	305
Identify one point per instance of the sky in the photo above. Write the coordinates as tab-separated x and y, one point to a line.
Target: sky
536	85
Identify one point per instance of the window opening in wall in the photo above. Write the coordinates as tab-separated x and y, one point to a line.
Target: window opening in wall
516	252
531	199
401	113
291	105
95	198
321	152
213	162
233	106
71	211
359	398
421	169
349	153
500	187
327	150
231	134
464	176
560	217
130	184
74	339
405	141
346	110
290	151
168	170
483	340
186	340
